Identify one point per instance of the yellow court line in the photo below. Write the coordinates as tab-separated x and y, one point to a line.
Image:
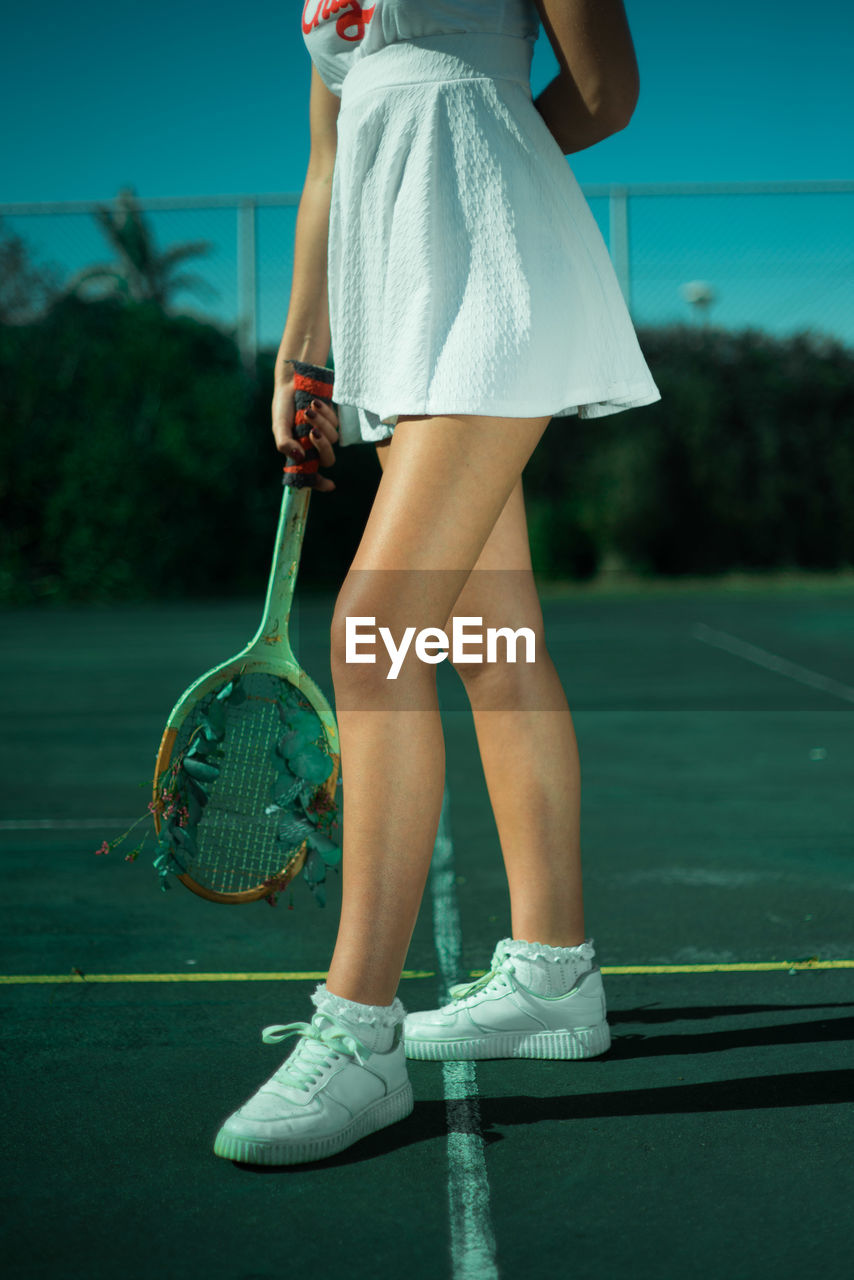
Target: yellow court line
757	966
320	974
77	976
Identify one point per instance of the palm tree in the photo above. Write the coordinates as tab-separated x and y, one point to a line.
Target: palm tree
143	274
25	288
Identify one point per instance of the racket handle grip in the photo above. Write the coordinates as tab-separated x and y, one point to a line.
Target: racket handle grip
311	382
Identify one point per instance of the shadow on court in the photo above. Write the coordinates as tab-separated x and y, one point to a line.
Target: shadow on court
714	1138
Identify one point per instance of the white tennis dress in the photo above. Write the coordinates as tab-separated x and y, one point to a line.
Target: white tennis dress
466	271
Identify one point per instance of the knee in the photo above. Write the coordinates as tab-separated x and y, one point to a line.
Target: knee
369	646
345	635
509	659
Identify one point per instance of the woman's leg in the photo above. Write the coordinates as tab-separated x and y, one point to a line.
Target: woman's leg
527	741
445	482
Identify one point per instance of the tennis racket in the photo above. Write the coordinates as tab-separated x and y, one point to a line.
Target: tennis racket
246	774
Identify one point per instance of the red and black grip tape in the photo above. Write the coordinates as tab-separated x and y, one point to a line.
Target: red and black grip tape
311	382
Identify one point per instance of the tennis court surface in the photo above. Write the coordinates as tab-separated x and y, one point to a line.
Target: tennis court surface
714	1139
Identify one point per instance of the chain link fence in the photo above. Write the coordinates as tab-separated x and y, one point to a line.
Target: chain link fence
774	256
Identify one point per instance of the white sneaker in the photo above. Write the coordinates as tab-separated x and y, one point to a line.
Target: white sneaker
499	1017
331	1091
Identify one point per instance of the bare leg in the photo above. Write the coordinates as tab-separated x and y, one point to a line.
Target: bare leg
527	743
530	762
446	480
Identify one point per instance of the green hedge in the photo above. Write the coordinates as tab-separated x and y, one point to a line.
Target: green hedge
746	462
137	461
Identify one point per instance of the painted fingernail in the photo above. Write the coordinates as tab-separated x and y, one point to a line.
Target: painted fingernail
315	404
315	433
309	413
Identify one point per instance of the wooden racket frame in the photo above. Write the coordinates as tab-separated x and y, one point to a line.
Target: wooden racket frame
269	652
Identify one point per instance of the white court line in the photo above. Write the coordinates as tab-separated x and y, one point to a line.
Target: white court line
472	1237
772	662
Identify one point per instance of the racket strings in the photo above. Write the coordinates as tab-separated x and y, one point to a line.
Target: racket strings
240	844
236	838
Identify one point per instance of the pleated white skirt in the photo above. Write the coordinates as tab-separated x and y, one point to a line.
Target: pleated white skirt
466	270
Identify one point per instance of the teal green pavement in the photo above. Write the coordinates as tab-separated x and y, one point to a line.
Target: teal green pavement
715	731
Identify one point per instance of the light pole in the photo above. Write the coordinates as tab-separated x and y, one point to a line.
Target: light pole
701	295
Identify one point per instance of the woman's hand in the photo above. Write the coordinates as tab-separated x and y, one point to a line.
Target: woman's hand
324	430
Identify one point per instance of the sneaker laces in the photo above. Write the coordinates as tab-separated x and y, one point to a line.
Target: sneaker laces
495	979
319	1046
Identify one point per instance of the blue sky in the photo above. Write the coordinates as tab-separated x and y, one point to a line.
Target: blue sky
178	100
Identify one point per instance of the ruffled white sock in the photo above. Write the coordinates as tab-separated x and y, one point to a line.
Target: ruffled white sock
547	970
374	1024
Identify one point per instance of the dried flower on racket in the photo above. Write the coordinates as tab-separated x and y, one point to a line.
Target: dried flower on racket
304	815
